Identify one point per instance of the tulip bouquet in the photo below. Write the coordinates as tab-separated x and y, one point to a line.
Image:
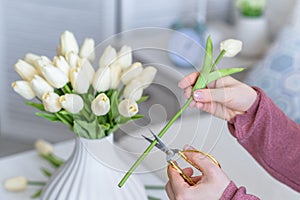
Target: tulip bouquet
93	103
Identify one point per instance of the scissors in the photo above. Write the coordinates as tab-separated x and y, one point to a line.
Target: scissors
170	153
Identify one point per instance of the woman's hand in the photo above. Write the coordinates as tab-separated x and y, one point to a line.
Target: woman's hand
209	186
224	98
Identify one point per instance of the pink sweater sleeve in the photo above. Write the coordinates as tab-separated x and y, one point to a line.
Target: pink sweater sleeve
272	139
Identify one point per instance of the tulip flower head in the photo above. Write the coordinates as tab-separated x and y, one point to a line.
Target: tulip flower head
40	86
61	63
24	89
30	58
43	147
108	57
54	76
125	57
147	76
231	46
128	108
115	75
25	70
16	184
101	105
101	81
79	80
67	44
72	103
132	72
51	102
87	49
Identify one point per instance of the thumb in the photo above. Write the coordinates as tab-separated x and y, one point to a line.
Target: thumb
201	161
210	95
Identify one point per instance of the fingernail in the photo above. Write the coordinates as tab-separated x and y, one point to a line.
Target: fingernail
197	95
187	147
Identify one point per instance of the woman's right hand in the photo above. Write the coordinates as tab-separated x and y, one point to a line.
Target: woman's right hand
224	98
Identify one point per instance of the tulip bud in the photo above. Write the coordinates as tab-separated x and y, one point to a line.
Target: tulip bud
133	71
79	80
30	58
51	102
43	147
24	89
125	56
16	184
40	86
231	46
88	68
67	44
41	62
61	63
54	76
108	57
72	59
101	81
25	70
128	108
133	90
115	75
147	76
72	103
100	105
87	49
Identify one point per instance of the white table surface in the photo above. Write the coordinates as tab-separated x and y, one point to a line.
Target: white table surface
28	164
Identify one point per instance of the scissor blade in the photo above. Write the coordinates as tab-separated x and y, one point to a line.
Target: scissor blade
163	146
157	145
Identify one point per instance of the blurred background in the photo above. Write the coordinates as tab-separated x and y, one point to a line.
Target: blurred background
35	26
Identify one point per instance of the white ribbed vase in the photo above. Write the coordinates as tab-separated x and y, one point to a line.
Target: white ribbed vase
87	176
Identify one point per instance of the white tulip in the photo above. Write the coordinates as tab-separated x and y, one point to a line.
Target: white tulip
54	76
128	108
25	70
61	63
125	56
101	81
133	90
41	62
108	57
133	71
30	58
67	44
231	46
72	59
115	75
51	102
88	68
43	147
147	76
40	86
79	80
100	105
72	103
16	184
24	89
87	49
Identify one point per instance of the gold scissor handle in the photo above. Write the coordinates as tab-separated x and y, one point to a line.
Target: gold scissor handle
181	153
179	170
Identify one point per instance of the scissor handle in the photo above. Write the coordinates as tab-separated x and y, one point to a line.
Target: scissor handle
181	153
180	171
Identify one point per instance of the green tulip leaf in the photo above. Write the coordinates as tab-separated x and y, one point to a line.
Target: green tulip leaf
142	99
38	106
215	75
50	117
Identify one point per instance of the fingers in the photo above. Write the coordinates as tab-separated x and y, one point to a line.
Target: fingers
211	95
205	164
189	80
177	182
169	191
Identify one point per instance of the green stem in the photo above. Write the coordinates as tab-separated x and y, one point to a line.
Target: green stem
152	198
36	183
150	147
64	120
